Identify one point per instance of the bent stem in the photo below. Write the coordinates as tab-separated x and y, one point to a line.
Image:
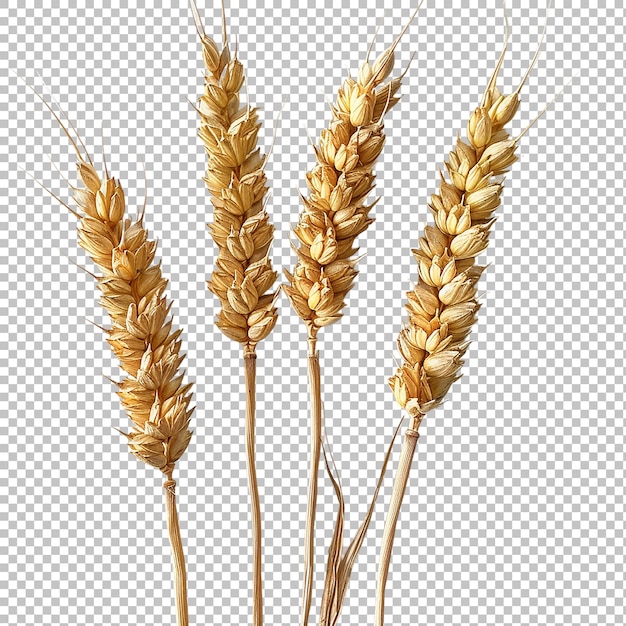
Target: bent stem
315	394
399	487
178	555
333	597
249	360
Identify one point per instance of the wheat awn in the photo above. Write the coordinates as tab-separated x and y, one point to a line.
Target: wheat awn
241	228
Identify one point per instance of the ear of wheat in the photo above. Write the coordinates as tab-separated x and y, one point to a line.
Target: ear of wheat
153	394
336	210
241	228
442	307
235	178
141	335
334	213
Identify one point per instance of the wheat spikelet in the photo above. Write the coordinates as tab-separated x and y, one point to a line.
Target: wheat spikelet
243	276
153	394
236	180
336	210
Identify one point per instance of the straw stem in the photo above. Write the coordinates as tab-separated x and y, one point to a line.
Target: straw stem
316	446
178	556
255	506
399	488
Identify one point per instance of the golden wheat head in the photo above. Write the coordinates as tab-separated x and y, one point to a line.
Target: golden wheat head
141	335
237	184
154	394
336	211
442	307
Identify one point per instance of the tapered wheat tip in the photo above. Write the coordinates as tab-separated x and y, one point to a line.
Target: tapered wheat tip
235	177
443	305
335	211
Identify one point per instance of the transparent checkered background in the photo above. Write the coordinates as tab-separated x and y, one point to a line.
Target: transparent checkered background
515	507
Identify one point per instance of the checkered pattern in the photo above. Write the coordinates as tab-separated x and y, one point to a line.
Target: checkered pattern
515	508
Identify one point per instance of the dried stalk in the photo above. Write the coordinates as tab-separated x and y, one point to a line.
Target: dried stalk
340	567
178	555
153	392
315	395
255	506
443	305
399	487
330	598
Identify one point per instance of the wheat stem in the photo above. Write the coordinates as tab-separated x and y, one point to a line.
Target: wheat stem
399	487
335	213
178	555
443	305
255	506
154	394
315	393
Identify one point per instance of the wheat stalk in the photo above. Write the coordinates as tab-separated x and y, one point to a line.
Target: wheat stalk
334	213
241	228
442	307
141	336
153	394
